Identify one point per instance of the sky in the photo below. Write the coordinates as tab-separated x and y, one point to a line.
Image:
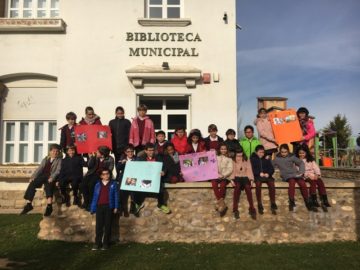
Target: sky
307	51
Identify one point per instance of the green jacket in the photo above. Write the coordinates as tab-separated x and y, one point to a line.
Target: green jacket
249	145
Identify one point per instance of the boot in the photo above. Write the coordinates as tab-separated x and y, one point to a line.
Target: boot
67	200
252	213
48	210
292	205
222	207
273	208
261	209
309	205
27	208
76	200
324	200
314	200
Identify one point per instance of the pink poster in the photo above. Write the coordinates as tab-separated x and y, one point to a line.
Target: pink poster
199	166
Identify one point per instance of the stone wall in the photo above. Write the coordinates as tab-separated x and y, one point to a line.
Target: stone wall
193	219
341	173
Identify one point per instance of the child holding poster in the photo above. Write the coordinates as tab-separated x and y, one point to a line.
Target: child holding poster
180	140
292	170
172	165
225	169
213	140
241	178
265	132
249	142
139	197
128	155
104	203
313	176
196	142
263	171
142	130
307	127
67	136
97	162
231	142
90	117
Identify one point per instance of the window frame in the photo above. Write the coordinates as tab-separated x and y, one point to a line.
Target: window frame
34	10
164	6
30	142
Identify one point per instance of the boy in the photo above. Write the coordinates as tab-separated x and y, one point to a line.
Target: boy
71	172
160	144
263	171
249	142
172	165
46	175
139	197
101	160
142	130
120	129
67	131
120	168
213	140
104	203
232	143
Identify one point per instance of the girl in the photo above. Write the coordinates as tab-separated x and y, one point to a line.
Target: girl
265	132
195	143
90	117
180	141
172	165
292	171
240	179
307	126
225	168
263	171
232	143
313	176
128	155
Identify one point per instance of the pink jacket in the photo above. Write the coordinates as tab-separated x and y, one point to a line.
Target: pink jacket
266	134
311	170
311	133
149	132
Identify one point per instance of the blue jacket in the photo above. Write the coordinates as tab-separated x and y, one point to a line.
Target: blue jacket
113	196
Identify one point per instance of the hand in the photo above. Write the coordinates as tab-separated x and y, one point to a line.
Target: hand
31	179
123	161
266	175
262	174
162	173
115	210
316	177
50	180
57	184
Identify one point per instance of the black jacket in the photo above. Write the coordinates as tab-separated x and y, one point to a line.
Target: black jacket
72	168
170	167
120	130
94	162
120	167
261	165
232	145
64	137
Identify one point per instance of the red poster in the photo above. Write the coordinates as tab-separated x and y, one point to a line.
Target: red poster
89	137
286	126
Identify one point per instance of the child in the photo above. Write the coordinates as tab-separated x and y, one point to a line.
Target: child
213	140
307	126
292	171
128	155
225	169
196	143
120	129
68	131
140	196
90	117
142	130
71	172
101	160
104	203
232	143
263	170
240	179
180	140
160	144
313	176
172	165
265	132
249	142
45	174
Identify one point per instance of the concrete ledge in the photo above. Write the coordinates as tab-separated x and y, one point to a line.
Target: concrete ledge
15	25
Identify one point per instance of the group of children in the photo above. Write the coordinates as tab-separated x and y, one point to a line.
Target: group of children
240	162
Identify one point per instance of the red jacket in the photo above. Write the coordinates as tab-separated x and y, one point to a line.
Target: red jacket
149	132
180	144
201	148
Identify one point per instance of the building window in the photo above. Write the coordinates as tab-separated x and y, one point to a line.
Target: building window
27	141
164	9
33	8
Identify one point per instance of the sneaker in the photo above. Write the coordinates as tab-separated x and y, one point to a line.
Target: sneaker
163	208
291	205
27	208
236	214
48	210
261	209
105	247
95	247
